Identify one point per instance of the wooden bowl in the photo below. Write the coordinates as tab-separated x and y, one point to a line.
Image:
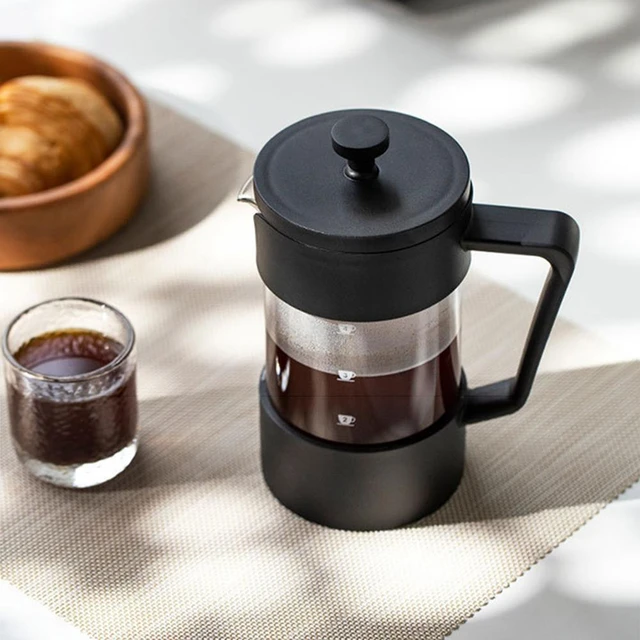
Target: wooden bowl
49	226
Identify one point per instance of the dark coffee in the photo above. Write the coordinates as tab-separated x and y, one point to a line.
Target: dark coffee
65	431
363	410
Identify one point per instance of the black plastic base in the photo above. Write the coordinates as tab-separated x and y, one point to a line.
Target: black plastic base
360	488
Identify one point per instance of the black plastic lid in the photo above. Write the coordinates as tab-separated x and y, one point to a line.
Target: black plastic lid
362	181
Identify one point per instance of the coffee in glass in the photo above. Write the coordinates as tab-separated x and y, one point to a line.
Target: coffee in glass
71	391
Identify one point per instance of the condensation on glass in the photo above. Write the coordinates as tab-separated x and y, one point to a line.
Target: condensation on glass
363	382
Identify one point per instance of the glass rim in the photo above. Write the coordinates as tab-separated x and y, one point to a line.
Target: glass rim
96	373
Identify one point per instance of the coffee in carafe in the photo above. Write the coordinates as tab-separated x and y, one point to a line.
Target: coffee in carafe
363	382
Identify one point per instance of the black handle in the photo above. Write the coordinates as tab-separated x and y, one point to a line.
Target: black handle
551	235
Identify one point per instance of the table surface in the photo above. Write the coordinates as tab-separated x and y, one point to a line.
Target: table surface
545	99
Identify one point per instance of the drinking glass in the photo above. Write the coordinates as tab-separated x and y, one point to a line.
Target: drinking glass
75	430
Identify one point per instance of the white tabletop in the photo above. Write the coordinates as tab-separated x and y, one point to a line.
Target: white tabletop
544	97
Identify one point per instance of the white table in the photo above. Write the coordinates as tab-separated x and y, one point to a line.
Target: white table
544	97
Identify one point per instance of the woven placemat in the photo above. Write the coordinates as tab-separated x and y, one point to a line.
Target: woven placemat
189	544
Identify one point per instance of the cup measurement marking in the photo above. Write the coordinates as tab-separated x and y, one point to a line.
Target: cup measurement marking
346	329
345	420
346	376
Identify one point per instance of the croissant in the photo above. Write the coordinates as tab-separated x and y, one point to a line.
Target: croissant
74	128
28	162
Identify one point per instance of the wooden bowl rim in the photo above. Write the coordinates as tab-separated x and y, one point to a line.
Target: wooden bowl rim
135	131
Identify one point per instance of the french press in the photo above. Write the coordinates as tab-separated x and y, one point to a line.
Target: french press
364	229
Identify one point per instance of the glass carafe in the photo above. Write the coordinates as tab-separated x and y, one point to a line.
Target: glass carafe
363	382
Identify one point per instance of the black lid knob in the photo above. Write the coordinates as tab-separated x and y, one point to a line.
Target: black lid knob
360	139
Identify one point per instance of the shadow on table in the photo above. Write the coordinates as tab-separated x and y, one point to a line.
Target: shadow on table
199	458
578	428
192	171
188	442
192	439
513	468
576	443
430	7
581	619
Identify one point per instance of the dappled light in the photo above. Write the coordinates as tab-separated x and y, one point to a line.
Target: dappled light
228	336
18	611
249	19
519	268
615	234
402	566
600	580
89	13
197	81
543	96
626	333
546	28
332	35
479	98
624	66
520	594
602	158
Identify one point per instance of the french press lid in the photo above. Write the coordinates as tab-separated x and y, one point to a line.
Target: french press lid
361	215
362	180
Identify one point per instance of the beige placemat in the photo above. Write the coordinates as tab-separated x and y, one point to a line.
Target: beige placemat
189	544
